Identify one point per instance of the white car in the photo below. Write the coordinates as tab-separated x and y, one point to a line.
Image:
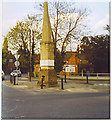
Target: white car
15	73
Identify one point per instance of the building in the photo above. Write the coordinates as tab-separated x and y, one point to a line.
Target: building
71	66
10	66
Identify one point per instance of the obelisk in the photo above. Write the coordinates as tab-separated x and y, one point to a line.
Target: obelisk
47	53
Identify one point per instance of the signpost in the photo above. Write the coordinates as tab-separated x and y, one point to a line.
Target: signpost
87	74
17	63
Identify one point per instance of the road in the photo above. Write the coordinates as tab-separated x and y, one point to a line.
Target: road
28	104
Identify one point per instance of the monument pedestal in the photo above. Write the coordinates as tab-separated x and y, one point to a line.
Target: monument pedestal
50	79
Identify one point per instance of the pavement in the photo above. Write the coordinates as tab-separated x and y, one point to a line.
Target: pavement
76	86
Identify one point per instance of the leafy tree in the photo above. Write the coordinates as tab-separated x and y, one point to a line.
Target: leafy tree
35	35
5	54
24	59
96	51
23	36
59	61
18	35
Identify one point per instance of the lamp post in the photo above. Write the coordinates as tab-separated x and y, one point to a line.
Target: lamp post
64	69
30	71
17	64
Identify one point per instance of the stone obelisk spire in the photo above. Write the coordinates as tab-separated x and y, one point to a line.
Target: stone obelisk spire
47	53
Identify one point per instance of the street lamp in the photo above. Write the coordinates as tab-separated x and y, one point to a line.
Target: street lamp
65	73
30	72
17	64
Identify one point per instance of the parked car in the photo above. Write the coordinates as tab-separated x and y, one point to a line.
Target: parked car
15	73
3	75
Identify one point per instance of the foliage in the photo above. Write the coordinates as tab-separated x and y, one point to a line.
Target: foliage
24	59
35	37
59	61
96	51
5	54
24	37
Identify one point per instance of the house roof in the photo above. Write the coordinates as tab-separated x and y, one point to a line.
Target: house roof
68	55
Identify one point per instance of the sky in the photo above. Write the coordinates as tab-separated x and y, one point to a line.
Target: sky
13	11
16	11
98	14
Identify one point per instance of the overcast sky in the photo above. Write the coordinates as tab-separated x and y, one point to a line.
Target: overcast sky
14	11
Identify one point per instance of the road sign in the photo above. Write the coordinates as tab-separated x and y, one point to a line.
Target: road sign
17	56
87	73
17	63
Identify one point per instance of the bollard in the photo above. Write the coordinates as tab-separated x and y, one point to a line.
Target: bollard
14	80
82	73
42	82
97	76
11	79
87	78
62	83
87	74
65	79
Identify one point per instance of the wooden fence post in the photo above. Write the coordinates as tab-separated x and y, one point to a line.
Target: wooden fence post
82	73
97	76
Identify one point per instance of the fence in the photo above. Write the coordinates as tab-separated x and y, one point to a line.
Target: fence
95	76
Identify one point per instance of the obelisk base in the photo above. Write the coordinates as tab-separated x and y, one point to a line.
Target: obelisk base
50	79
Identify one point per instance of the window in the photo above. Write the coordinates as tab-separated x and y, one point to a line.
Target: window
72	69
67	69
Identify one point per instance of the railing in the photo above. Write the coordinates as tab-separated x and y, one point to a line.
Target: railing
96	76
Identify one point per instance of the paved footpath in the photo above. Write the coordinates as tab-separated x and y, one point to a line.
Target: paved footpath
70	86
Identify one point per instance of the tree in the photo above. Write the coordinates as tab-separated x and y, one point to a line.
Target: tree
34	34
67	24
59	61
96	51
5	55
24	59
21	35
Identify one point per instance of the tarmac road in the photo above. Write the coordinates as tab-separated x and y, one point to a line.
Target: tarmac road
17	103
